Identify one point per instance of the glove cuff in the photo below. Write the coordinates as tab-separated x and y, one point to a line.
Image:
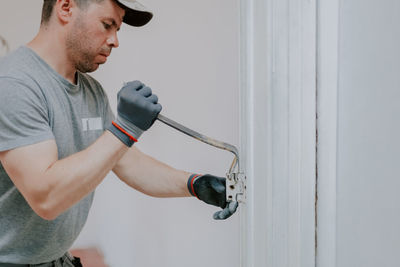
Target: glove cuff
190	184
132	130
121	134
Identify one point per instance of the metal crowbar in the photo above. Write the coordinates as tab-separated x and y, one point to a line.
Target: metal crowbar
236	180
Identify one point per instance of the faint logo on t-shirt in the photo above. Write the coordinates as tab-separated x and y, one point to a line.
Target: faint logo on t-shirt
92	124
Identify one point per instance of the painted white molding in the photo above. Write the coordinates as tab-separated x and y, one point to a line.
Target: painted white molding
278	132
327	108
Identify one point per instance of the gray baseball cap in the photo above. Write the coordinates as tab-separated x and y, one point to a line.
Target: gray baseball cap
136	14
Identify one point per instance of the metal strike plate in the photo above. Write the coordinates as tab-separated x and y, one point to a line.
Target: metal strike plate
236	187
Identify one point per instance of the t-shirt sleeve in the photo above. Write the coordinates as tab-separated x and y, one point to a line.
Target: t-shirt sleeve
24	117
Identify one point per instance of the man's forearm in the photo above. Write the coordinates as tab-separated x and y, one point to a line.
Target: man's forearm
151	176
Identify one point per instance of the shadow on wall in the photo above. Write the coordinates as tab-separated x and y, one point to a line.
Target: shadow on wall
90	257
4	47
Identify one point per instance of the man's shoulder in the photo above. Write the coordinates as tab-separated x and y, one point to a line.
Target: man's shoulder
17	65
18	75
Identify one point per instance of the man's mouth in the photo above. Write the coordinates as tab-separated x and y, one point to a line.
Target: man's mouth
105	52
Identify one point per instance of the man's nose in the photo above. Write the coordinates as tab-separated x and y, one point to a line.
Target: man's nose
113	40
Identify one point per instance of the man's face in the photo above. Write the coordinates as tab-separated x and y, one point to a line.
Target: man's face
93	34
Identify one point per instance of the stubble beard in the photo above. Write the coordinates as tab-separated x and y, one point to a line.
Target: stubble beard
80	52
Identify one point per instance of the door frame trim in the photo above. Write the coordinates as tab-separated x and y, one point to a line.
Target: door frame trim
278	132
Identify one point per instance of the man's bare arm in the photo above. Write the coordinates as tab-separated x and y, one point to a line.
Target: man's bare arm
157	179
151	176
52	186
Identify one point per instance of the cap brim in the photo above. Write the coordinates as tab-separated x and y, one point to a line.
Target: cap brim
135	13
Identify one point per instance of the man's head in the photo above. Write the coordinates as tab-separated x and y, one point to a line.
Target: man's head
87	29
91	33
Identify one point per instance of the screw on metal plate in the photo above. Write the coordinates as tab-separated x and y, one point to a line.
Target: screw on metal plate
236	187
236	180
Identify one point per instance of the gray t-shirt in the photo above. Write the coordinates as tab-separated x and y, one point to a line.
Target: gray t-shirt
38	104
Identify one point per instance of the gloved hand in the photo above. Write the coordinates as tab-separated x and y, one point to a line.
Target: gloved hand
212	190
137	110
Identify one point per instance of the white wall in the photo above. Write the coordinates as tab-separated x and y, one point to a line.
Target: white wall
363	185
368	201
189	55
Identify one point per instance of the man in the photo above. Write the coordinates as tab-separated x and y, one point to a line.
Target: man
59	138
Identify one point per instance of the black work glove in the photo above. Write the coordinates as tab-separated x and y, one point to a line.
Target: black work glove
137	109
212	190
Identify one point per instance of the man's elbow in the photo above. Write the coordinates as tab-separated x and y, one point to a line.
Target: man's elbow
43	206
45	212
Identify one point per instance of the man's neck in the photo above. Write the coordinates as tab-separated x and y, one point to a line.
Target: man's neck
51	48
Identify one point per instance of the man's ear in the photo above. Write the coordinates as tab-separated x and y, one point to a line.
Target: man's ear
64	9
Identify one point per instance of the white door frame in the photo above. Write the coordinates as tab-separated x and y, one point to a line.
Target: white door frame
278	132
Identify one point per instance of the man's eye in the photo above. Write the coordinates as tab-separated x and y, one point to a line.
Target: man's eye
106	26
